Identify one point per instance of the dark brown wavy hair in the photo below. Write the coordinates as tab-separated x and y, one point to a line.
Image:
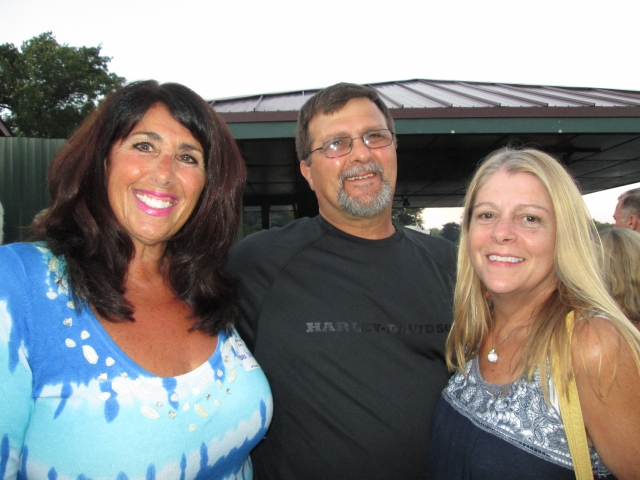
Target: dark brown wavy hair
80	225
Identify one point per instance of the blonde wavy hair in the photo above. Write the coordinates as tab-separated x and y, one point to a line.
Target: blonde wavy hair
578	268
622	269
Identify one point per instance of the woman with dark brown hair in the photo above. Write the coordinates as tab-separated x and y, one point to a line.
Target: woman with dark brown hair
118	355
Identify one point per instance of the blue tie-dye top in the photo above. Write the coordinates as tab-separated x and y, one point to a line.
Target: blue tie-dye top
75	406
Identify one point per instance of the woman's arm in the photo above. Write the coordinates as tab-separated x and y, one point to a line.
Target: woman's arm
15	374
609	387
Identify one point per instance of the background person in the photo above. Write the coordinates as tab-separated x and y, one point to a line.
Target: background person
627	213
347	313
527	259
622	269
117	354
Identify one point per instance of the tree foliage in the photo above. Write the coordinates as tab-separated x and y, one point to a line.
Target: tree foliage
252	221
47	89
602	226
451	231
408	216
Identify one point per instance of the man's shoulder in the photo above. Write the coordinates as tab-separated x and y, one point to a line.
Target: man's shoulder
275	243
440	249
427	240
299	230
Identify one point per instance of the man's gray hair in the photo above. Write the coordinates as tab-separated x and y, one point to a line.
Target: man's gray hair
630	202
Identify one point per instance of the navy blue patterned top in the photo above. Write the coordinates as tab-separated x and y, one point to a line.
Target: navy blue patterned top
482	430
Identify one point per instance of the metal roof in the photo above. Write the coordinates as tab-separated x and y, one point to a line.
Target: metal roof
487	99
444	129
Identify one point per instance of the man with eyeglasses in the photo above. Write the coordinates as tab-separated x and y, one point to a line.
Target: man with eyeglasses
346	313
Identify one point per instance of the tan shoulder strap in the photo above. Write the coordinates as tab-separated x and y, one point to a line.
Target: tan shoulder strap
571	414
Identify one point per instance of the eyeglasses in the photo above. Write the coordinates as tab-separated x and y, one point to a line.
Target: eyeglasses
339	146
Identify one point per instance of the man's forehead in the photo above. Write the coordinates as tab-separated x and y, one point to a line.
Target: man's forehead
354	103
356	113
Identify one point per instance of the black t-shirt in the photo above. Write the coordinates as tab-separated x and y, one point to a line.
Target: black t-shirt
350	333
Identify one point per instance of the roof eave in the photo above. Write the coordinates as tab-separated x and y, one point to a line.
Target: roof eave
455	112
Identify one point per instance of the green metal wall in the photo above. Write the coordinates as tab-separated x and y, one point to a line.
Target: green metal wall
23	181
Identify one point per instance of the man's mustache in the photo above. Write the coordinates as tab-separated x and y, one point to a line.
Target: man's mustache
359	170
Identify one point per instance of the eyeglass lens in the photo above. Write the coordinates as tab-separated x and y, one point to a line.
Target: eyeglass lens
343	145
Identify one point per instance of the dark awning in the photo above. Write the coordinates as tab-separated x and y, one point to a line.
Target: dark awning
444	128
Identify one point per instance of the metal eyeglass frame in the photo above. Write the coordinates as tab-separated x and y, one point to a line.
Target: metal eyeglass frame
325	146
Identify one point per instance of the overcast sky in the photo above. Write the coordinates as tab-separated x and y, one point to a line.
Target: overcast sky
601	206
230	48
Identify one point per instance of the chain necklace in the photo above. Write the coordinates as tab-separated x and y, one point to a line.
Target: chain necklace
492	356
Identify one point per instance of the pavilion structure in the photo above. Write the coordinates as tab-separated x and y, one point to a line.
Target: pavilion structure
444	128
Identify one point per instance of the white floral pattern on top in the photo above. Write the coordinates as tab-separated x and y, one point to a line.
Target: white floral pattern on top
61	372
517	412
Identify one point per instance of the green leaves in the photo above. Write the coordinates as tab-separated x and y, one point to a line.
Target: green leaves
408	216
47	89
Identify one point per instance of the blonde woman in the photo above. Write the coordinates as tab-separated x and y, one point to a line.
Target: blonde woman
528	257
622	269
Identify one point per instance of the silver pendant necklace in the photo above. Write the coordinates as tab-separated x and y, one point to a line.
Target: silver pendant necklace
492	356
